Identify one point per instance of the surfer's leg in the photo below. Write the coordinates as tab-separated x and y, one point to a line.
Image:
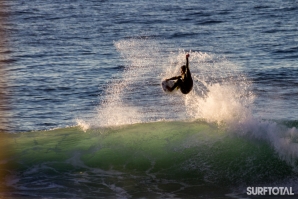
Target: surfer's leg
186	87
177	84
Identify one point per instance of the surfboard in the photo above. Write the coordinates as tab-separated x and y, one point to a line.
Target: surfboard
164	85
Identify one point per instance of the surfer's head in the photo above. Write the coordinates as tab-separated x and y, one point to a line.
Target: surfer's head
183	69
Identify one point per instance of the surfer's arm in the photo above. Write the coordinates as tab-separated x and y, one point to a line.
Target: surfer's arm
173	78
187	63
187	72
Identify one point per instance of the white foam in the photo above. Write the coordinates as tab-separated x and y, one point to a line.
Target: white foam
115	114
222	104
231	106
83	124
280	137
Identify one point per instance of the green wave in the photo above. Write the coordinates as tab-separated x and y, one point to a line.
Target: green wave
170	155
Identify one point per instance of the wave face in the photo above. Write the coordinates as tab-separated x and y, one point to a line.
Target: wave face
159	159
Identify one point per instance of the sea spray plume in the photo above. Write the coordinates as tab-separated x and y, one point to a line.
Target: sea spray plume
138	97
221	93
120	105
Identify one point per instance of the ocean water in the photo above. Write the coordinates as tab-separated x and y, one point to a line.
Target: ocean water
85	115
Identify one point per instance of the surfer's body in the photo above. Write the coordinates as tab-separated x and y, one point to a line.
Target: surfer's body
184	81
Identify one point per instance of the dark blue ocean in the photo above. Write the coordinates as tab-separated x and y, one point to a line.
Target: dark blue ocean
96	65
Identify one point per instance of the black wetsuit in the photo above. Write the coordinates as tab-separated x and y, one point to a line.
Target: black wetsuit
184	82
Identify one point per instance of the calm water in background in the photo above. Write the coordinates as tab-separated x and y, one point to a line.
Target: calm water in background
62	54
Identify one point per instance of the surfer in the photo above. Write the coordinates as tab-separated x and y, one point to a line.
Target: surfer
184	81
